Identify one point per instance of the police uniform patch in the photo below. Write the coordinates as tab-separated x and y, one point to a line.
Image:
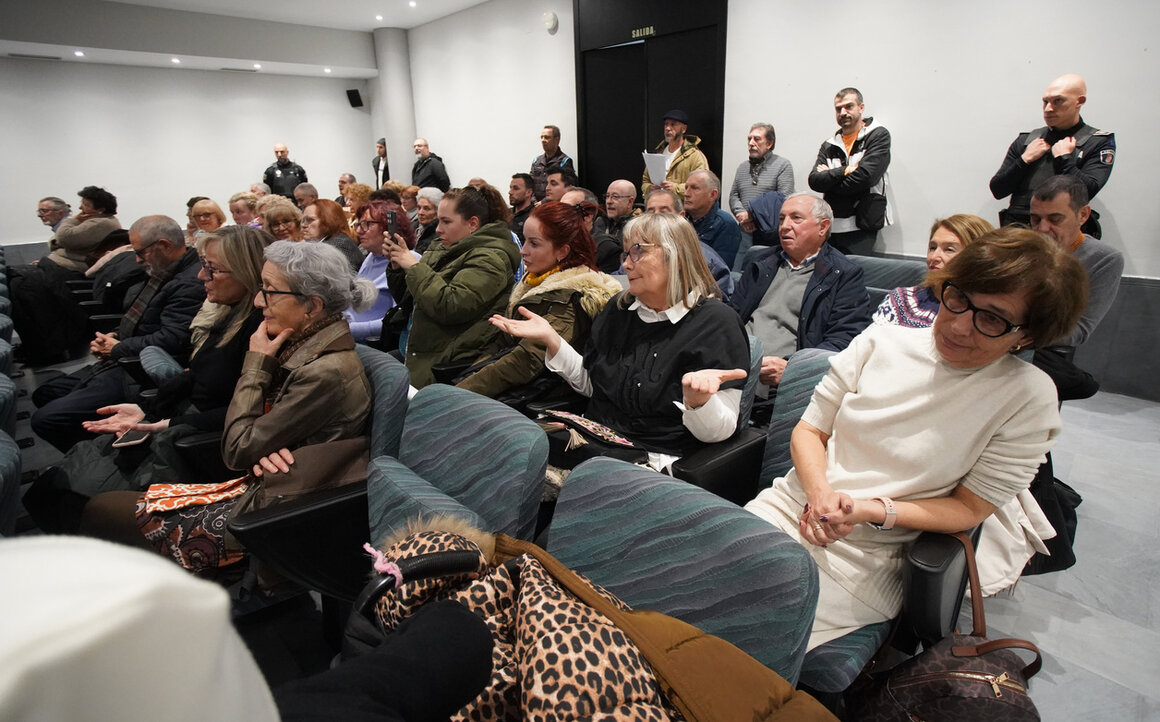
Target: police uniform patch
1107	156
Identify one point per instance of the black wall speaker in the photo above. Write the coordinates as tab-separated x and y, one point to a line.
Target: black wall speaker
355	98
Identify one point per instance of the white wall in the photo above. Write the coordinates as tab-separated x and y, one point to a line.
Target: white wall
156	137
954	83
486	80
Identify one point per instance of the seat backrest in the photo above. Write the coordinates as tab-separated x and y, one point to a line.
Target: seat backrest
481	452
660	543
756	350
390	383
881	275
803	370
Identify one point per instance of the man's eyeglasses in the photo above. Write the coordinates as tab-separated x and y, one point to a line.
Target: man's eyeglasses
635	252
990	324
616	196
140	252
266	293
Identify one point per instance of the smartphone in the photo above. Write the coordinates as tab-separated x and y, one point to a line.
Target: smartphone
392	224
131	438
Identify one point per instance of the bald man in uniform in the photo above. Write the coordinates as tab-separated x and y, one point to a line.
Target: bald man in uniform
1066	145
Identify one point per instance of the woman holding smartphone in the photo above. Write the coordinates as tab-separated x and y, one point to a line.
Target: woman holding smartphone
381	224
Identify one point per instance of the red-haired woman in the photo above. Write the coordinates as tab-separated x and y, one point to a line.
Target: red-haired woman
561	283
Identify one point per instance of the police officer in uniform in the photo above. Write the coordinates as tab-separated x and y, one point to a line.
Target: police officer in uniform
1065	146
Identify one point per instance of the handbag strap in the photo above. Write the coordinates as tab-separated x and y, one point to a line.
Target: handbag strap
979	620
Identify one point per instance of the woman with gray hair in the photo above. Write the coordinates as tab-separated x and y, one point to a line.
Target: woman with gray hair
427	216
301	383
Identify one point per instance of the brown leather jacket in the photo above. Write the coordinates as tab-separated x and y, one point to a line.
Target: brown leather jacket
325	397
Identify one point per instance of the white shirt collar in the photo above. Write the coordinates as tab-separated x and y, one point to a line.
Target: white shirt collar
672	315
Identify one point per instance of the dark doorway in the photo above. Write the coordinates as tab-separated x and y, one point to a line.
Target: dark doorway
668	56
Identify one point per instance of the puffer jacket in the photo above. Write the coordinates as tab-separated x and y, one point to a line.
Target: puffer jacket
519	363
455	291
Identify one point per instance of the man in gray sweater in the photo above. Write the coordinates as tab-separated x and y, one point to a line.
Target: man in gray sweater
1059	207
762	172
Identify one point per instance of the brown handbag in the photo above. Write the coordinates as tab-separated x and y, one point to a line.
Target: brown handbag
704	677
962	677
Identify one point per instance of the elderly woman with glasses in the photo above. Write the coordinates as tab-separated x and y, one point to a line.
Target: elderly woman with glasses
301	383
665	361
282	219
929	429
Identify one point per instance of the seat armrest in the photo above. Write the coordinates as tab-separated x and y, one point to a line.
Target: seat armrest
575	405
934	581
202	452
314	540
729	468
132	366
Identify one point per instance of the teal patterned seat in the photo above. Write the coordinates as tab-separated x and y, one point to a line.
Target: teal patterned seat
461	455
159	364
662	544
6	328
7	405
5	357
803	370
9	484
5	306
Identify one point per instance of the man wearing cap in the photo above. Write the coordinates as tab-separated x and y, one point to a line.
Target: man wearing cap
552	157
380	164
681	155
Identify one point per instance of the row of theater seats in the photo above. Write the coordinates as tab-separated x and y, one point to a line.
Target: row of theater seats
656	541
9	451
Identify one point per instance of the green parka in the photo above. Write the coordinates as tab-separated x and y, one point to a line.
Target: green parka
456	290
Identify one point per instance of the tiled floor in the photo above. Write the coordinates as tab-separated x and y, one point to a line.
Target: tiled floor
1097	623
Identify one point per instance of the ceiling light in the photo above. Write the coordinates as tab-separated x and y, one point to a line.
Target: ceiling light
257	66
326	70
79	53
175	61
412	3
379	18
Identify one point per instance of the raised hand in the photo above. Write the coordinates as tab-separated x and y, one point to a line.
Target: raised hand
698	386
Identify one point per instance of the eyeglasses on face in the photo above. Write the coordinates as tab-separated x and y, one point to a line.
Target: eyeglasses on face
616	196
140	252
282	222
204	216
267	292
990	324
635	252
212	271
367	225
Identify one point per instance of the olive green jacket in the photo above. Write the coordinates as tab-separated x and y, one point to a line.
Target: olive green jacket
456	290
520	361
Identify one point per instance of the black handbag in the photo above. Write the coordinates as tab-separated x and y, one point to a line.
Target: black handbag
961	677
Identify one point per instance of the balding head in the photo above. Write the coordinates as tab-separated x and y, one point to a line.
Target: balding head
619	198
1063	100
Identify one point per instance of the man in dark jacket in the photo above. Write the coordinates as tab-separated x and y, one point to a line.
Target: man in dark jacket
552	157
284	175
428	170
1065	145
851	173
804	294
159	316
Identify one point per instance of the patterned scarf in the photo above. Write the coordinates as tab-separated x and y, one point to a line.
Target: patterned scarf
133	316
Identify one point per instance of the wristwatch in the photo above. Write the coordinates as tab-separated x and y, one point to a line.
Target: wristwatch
891	514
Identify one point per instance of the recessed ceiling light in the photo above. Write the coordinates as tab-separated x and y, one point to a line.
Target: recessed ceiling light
79	53
257	66
175	61
379	18
412	3
326	70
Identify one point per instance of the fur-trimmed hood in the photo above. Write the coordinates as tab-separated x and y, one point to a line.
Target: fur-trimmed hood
595	288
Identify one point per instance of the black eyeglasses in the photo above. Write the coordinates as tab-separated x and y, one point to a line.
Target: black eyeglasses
635	252
140	253
616	196
212	271
266	293
991	325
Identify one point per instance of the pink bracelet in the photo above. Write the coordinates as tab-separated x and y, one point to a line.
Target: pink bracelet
891	514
